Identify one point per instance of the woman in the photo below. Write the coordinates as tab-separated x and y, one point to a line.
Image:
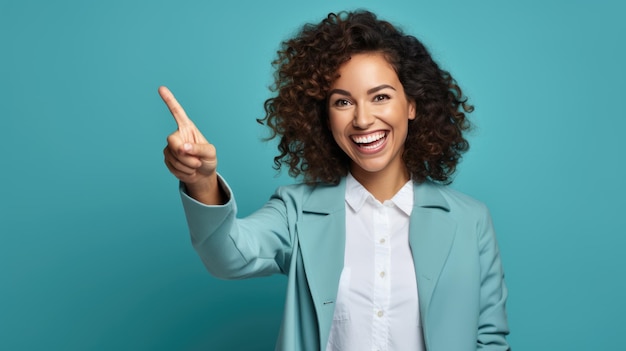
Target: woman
379	253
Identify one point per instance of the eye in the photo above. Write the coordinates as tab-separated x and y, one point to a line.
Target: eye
342	103
381	97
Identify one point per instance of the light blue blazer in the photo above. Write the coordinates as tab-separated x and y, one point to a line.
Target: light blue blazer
300	232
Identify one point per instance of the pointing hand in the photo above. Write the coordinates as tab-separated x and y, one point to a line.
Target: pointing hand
188	155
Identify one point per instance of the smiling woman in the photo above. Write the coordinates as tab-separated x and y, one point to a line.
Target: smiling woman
308	68
369	113
379	254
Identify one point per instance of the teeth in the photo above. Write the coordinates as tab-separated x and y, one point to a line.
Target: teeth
366	139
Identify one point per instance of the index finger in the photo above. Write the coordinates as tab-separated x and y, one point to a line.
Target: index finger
175	108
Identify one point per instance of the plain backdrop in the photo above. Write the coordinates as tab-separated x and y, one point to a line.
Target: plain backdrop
94	250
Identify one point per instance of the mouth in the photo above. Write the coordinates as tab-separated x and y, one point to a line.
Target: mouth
371	141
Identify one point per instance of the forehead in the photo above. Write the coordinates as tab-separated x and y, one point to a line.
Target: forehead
366	69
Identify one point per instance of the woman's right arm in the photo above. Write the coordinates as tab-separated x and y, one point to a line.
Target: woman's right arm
258	245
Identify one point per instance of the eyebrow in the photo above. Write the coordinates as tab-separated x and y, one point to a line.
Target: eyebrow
379	88
370	91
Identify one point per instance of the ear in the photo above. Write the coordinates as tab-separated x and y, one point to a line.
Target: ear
412	110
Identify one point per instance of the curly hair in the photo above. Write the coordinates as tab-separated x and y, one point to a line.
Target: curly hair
307	66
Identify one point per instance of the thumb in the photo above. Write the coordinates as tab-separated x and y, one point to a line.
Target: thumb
206	154
203	151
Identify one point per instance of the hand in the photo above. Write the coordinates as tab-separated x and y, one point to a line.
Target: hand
188	155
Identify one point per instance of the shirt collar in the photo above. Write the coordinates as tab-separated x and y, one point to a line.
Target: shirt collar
356	195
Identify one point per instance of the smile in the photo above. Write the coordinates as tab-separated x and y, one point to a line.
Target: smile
370	141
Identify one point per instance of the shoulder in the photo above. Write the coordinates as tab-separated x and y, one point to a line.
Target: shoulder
459	199
313	197
295	193
300	189
455	202
471	216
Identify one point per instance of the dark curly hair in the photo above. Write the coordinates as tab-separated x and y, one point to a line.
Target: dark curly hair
307	66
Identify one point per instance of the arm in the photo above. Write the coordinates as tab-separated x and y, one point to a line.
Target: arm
492	322
233	248
229	247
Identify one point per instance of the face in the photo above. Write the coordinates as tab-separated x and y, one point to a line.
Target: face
369	115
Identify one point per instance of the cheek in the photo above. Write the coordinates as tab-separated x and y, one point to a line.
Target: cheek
336	125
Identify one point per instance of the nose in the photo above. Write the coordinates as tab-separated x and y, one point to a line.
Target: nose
363	118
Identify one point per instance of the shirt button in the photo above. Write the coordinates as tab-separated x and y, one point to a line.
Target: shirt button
382	274
382	241
380	313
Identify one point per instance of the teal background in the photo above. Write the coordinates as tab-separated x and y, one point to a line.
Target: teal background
94	252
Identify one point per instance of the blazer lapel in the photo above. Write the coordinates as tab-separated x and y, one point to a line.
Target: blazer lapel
321	235
431	235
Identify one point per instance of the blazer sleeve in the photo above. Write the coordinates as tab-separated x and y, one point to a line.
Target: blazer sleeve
233	248
492	322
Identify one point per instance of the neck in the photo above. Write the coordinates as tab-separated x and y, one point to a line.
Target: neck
383	185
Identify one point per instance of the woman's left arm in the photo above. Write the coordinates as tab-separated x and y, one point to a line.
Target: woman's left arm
492	321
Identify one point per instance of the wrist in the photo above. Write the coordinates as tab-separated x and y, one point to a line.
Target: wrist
207	191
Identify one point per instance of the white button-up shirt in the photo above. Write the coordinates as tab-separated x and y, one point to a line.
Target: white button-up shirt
377	302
